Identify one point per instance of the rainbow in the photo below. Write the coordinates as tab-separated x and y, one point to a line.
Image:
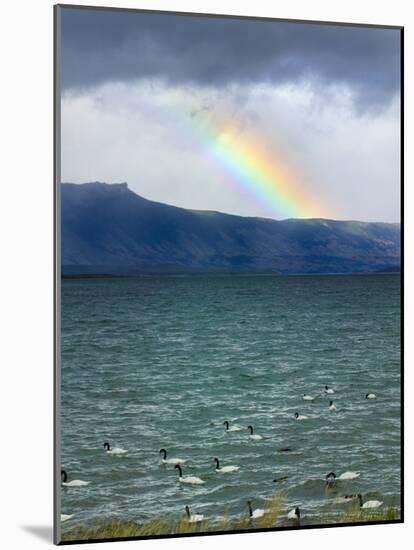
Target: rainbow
258	171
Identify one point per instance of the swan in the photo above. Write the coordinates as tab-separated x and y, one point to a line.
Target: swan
300	416
370	396
115	450
74	482
329	390
307	397
233	428
192	480
280	479
369	503
345	476
65	517
166	460
252	435
193	518
225	469
332	406
294	514
258	513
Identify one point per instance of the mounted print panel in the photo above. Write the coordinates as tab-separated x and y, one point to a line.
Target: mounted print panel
228	274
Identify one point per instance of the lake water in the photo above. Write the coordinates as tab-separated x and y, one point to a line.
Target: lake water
164	361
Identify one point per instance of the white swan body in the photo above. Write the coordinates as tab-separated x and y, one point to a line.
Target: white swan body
300	416
191	480
75	483
225	469
370	396
233	428
254	514
328	390
332	406
372	504
369	503
65	517
255	437
307	397
118	451
294	514
349	475
228	469
166	460
193	518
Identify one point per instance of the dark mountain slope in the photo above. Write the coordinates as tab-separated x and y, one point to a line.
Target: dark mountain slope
108	228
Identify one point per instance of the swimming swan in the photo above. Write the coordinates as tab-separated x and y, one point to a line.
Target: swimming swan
307	397
370	396
225	469
300	416
345	476
193	518
258	513
115	450
74	482
329	390
65	517
294	514
233	428
252	435
166	460
332	406
369	503
192	480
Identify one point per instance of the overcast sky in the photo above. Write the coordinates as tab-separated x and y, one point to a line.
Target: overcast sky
139	91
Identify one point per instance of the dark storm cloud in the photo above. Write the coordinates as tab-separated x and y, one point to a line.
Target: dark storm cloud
101	46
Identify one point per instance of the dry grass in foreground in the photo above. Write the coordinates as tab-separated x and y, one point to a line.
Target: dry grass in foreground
275	516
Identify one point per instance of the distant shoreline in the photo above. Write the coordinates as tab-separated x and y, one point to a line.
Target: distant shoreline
217	274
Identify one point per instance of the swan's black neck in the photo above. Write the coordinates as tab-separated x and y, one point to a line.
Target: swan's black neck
164	453
296	415
216	460
330	403
63	475
330	476
179	470
187	511
249	504
251	429
360	500
226	424
107	446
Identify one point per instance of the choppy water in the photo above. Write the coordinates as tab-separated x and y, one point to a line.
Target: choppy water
162	362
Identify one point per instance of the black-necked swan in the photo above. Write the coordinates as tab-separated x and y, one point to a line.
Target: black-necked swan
114	450
300	416
370	396
233	428
329	390
192	480
193	518
307	397
225	469
166	460
65	517
369	503
345	476
258	513
252	435
332	406
294	514
74	482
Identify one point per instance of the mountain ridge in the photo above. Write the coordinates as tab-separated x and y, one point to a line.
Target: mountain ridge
109	228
